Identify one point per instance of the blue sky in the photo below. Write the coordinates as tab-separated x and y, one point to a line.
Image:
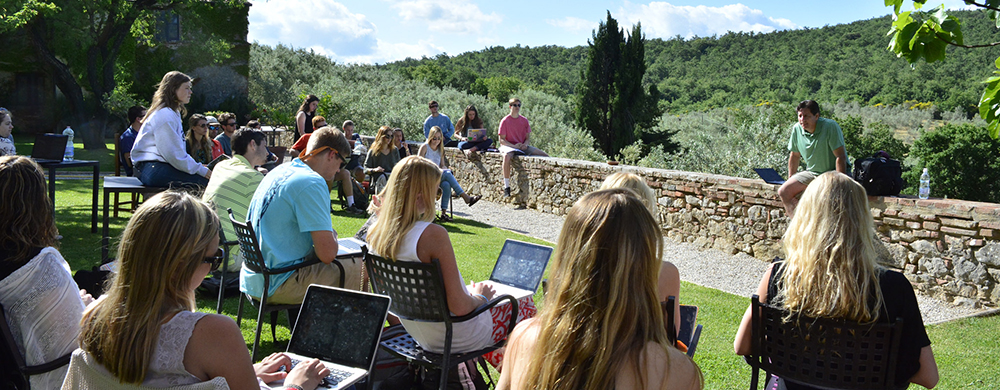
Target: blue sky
380	31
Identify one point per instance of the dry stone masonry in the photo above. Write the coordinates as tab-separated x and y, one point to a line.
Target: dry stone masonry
947	248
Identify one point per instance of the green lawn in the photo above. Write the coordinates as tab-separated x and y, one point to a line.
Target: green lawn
967	350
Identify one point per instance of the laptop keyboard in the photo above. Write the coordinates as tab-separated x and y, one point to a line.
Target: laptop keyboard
336	376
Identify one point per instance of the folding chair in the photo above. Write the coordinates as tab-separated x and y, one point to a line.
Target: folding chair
417	292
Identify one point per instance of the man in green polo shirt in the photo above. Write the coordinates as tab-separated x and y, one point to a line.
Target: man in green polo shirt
234	181
817	142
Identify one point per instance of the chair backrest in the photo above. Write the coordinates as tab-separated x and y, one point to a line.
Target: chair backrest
11	361
416	289
253	259
85	373
826	353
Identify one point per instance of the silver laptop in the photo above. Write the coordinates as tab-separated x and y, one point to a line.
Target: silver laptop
519	268
349	247
341	328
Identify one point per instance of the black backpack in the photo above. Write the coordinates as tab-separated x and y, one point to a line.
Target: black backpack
879	175
361	196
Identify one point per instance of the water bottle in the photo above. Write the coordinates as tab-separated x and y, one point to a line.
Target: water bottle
925	185
68	154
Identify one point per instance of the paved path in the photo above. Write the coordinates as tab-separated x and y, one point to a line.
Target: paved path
738	275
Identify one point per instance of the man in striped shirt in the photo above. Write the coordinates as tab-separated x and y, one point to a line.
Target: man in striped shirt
234	181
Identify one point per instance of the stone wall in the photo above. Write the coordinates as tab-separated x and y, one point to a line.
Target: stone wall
947	248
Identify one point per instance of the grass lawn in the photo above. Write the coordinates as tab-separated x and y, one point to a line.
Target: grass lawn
967	350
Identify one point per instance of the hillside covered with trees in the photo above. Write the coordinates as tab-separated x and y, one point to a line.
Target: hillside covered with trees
841	62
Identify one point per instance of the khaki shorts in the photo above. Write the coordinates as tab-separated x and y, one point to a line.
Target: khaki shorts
294	289
804	177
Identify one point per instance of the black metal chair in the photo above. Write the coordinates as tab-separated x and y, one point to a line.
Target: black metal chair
253	259
417	292
823	353
689	331
14	372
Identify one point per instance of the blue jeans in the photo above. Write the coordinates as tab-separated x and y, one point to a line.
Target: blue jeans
161	174
448	183
480	146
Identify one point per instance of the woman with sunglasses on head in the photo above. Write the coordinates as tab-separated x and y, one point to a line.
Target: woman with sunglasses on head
831	272
41	302
202	148
144	330
382	156
159	155
601	326
404	232
433	150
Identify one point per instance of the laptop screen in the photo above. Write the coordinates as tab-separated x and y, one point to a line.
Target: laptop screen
521	264
49	147
339	326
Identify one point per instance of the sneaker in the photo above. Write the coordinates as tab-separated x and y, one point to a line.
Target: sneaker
354	210
473	199
506	192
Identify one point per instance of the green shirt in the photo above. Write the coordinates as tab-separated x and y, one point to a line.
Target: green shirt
817	148
232	185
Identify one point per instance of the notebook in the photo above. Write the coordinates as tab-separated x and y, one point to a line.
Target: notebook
49	148
769	175
341	328
476	135
519	268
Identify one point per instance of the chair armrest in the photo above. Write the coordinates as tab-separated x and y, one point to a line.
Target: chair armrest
493	302
48	366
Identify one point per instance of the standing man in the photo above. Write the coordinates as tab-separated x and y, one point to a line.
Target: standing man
439	120
514	132
817	142
290	214
127	139
228	123
234	182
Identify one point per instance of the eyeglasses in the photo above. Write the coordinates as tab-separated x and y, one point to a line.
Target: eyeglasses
436	139
304	156
516	105
216	260
231	124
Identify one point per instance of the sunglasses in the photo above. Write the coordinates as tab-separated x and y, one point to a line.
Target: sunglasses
216	260
516	105
303	156
434	106
231	124
202	125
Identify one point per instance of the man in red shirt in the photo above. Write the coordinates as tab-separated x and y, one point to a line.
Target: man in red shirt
514	132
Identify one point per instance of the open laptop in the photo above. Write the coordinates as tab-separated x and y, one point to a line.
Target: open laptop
49	148
519	268
769	175
476	135
349	247
341	328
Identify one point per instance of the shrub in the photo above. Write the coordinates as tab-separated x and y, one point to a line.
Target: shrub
963	162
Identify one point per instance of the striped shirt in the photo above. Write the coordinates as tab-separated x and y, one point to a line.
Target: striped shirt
232	186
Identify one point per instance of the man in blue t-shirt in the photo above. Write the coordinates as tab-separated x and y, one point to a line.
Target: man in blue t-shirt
819	144
127	139
442	121
290	212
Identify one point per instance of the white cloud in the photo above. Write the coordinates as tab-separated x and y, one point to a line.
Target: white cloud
324	26
387	52
572	24
449	16
665	20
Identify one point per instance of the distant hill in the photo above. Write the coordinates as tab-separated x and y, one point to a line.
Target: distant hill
845	61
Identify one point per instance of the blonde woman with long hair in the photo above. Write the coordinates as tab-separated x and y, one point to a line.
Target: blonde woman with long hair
197	143
601	326
159	155
433	150
404	232
831	272
145	329
669	282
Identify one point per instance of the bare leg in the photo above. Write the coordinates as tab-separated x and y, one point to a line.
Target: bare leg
789	194
506	165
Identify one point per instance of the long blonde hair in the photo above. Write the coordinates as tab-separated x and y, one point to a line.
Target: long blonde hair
161	248
602	308
831	269
166	93
440	149
383	137
635	183
413	177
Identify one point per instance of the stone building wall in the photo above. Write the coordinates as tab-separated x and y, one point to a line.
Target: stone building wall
947	248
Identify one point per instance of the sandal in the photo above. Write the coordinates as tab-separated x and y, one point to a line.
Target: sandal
444	217
473	199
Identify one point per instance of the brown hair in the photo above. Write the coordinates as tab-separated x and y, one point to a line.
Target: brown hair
26	210
477	123
166	93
